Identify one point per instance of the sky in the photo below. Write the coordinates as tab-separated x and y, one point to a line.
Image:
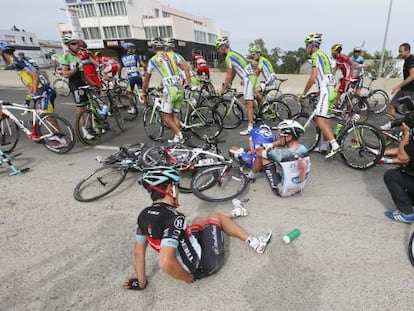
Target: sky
280	23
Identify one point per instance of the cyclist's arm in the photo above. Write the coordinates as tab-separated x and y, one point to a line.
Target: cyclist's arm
184	67
402	155
35	79
170	265
140	249
230	74
67	72
311	80
145	84
407	80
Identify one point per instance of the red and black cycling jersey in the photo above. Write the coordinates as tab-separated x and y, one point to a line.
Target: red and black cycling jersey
162	225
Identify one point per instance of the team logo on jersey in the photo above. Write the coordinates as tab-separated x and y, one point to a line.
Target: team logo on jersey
179	222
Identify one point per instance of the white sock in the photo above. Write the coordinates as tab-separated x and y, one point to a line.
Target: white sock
251	174
387	160
334	144
250	126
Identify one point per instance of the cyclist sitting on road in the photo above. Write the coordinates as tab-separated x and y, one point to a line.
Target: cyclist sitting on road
285	161
37	84
131	62
72	69
237	64
186	252
167	64
199	64
265	67
322	73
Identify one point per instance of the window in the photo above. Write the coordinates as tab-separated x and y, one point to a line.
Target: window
24	39
157	13
117	32
112	8
165	14
211	38
91	33
31	39
200	36
198	23
151	32
166	31
85	10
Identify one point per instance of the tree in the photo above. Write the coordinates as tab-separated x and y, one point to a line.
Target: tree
292	61
273	58
389	68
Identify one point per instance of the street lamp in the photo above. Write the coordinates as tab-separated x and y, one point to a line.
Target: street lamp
385	41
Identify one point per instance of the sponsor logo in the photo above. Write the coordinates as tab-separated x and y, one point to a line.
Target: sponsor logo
179	222
186	250
215	242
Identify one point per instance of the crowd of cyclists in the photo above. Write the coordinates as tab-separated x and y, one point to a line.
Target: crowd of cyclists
265	149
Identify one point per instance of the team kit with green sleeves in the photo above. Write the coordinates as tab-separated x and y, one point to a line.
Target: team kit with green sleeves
76	80
166	65
268	73
245	72
326	82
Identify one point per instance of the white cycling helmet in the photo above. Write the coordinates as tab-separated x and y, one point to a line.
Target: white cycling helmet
290	127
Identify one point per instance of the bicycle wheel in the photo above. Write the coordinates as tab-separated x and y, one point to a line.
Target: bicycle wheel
10	134
116	114
61	86
218	183
124	107
293	102
93	124
312	133
206	122
272	113
411	249
153	124
101	182
378	101
362	146
61	135
391	136
231	114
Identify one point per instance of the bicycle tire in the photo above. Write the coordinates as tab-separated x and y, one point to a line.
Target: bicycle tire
116	114
362	146
391	136
61	87
122	101
411	249
378	101
274	112
312	135
93	123
62	129
293	102
232	115
209	184
206	122
10	134
153	124
95	185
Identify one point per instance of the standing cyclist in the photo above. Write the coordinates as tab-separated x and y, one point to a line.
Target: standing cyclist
131	62
186	252
237	64
200	64
322	73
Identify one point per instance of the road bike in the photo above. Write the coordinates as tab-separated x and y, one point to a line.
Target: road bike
204	172
232	111
362	144
378	99
7	159
50	129
92	118
111	174
61	84
201	120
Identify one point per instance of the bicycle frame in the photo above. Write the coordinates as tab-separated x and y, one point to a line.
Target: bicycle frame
20	123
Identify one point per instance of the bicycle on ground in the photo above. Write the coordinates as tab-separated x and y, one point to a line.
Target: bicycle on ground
50	129
111	174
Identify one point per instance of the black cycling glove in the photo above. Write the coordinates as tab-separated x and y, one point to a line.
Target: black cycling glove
197	275
134	284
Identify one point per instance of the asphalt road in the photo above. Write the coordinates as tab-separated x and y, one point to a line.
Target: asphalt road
60	254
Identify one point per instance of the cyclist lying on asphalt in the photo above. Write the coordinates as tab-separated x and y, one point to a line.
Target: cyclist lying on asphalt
286	163
186	253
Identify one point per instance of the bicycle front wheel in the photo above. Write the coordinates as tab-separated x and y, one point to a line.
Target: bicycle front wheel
378	101
411	249
101	182
312	133
274	112
218	183
129	112
206	122
231	114
116	114
10	133
93	124
362	146
61	87
61	137
153	124
293	102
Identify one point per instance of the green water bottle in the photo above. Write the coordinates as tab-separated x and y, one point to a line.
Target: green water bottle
292	235
337	129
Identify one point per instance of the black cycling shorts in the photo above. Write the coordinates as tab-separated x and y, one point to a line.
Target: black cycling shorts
211	239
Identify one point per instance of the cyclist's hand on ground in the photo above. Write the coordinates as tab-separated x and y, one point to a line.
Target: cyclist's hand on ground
197	275
134	284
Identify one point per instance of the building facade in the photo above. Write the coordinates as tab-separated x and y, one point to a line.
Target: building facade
106	24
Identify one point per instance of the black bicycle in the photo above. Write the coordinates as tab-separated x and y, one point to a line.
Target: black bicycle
107	178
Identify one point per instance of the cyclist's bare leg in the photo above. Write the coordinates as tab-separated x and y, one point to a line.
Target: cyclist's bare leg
325	128
250	111
168	119
259	96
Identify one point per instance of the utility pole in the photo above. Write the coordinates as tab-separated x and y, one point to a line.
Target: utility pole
381	68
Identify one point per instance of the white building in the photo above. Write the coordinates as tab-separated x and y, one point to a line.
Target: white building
105	24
